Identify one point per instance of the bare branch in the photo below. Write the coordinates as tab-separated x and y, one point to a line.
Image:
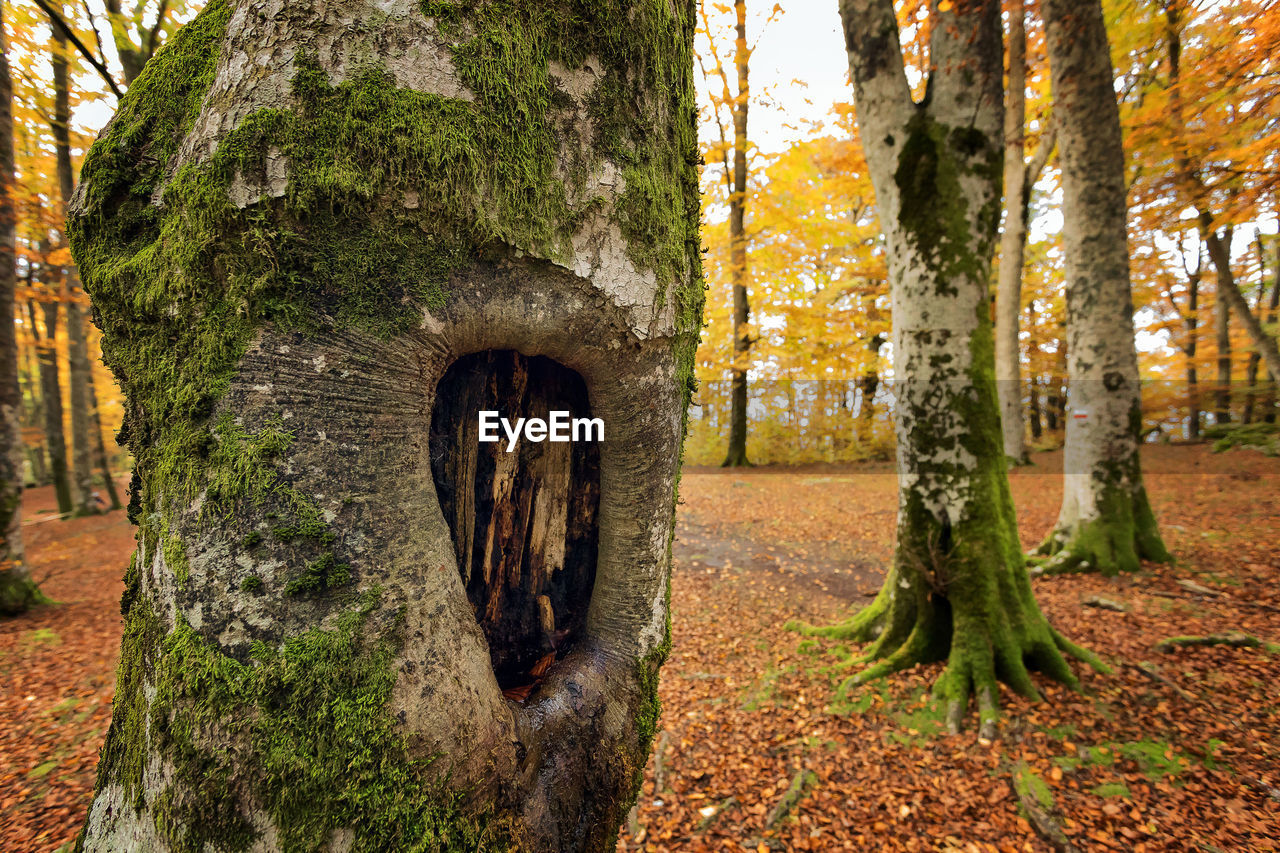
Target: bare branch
56	19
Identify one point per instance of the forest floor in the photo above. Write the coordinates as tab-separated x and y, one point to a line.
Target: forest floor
1176	750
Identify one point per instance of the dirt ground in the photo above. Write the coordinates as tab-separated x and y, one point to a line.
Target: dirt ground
758	749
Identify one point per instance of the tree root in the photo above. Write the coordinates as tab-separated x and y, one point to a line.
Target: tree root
1040	817
862	627
1235	639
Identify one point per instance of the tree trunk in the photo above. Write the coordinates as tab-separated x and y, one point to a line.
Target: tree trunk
1013	242
1106	523
1255	357
1220	254
737	453
1193	334
1269	395
102	460
79	369
958	589
17	591
351	624
33	408
1222	329
51	392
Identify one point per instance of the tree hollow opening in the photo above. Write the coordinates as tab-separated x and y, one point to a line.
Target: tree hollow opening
523	520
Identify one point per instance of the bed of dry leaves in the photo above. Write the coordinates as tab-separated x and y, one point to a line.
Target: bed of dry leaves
1174	750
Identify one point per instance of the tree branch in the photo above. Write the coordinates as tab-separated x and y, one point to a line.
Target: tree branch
56	19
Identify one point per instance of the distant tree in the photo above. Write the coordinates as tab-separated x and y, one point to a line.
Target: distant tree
18	592
1019	179
733	155
958	589
1106	523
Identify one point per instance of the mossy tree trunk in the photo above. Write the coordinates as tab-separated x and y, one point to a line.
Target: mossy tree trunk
17	591
347	626
1105	523
957	590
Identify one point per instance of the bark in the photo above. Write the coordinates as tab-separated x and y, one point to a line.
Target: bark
867	387
957	590
1193	323
1018	182
1106	523
349	624
79	369
102	460
17	591
1255	357
737	453
35	410
1222	330
51	392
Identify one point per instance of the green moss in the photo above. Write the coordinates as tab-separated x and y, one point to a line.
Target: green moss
253	583
1031	786
328	756
932	208
324	573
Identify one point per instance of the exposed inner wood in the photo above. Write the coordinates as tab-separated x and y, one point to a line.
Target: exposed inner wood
523	522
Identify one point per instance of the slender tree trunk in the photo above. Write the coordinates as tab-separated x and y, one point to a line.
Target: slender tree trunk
1255	357
1222	330
18	592
1220	255
78	369
1033	409
1106	523
1013	241
737	453
1273	304
958	589
34	405
413	214
102	460
1193	334
51	392
867	387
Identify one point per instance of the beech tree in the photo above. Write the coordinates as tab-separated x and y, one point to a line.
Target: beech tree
957	589
349	624
1019	179
1105	523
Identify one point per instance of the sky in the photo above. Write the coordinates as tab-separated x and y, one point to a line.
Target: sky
799	66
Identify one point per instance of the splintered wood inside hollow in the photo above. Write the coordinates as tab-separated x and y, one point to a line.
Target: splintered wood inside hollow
523	521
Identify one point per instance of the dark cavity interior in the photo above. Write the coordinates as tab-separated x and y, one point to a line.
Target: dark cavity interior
524	522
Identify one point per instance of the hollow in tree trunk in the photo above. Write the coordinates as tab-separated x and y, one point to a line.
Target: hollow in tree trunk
1105	523
957	590
350	623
